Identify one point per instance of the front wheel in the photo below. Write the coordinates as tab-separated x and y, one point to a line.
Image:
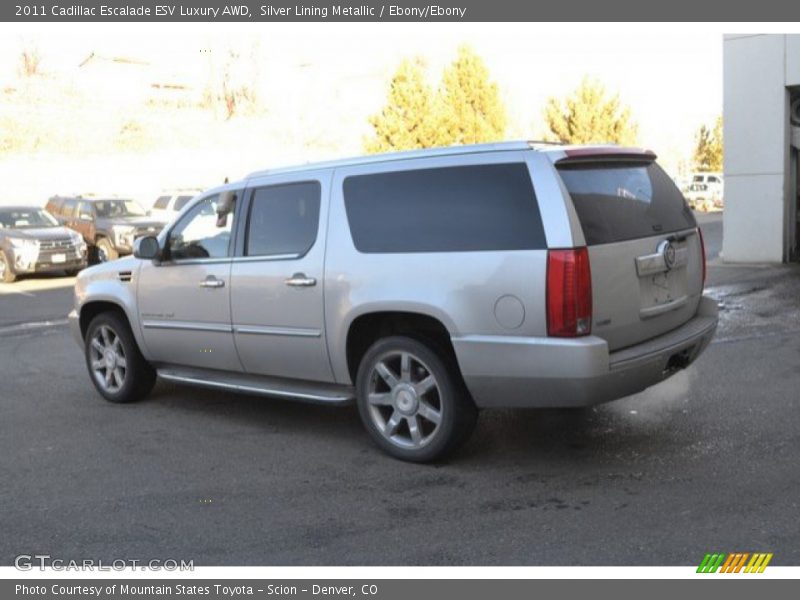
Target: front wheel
412	400
117	368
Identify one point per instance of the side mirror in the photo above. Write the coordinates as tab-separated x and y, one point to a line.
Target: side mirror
147	248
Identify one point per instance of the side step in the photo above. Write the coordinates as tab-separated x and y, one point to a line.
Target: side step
304	391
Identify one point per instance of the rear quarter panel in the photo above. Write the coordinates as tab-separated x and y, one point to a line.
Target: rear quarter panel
460	289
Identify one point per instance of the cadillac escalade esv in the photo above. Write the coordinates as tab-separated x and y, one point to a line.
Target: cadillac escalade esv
423	285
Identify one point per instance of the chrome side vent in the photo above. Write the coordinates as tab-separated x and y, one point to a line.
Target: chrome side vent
124	276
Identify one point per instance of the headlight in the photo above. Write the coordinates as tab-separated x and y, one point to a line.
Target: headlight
123	234
24	244
26	252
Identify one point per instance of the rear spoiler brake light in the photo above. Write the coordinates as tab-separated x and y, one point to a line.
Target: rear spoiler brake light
606	153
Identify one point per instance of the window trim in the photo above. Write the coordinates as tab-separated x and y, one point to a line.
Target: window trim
245	257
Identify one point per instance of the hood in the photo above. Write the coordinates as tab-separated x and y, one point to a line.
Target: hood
42	234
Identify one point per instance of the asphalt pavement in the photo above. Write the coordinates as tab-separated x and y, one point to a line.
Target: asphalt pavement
706	461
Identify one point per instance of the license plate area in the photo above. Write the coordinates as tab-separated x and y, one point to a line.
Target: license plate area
58	258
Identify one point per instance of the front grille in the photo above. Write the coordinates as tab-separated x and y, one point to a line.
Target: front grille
54	245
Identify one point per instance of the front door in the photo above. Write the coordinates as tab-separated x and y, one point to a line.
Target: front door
276	286
184	301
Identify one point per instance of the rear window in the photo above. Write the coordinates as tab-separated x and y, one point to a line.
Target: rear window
624	201
451	209
161	202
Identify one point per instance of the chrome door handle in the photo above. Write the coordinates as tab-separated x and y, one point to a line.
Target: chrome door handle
212	283
300	280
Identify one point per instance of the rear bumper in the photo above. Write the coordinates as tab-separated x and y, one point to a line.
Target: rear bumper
504	371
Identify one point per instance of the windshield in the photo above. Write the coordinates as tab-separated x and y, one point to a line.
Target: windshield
25	219
118	208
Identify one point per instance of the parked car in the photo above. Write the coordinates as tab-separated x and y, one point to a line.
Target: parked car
423	285
31	241
108	225
170	203
704	197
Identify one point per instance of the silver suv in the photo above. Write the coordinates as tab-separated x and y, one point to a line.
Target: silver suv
423	285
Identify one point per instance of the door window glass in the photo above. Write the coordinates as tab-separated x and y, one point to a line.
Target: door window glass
204	232
283	219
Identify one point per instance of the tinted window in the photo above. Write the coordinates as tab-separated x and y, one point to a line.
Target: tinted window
84	208
118	208
68	208
181	201
202	232
283	219
452	209
161	202
625	201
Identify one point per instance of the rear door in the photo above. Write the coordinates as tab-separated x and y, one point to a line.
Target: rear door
644	246
276	285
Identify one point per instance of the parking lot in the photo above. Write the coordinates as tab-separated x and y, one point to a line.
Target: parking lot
706	461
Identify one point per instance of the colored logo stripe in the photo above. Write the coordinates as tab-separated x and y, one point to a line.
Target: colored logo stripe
734	562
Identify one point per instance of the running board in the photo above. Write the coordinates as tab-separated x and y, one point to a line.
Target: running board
304	391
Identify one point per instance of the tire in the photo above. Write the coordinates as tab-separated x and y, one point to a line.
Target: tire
106	251
7	274
409	415
72	272
126	380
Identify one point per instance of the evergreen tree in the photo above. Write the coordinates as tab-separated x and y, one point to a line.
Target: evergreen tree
405	123
588	116
708	149
470	110
467	108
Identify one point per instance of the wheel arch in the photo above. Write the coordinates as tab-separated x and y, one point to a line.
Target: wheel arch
368	327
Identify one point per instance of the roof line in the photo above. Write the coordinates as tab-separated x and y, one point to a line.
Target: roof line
405	155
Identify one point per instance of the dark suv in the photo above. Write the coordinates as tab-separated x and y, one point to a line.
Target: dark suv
109	225
31	241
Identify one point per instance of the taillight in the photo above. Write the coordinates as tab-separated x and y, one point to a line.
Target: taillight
703	252
569	293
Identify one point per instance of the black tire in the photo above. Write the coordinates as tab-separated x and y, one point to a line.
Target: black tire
457	413
7	274
105	250
72	272
138	376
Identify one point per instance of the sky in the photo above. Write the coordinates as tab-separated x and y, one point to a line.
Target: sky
314	73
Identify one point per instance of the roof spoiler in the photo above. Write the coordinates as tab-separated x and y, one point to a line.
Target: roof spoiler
606	153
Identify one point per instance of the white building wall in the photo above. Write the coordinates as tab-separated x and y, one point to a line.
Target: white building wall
755	113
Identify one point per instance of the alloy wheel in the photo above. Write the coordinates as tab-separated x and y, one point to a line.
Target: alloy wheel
107	359
404	400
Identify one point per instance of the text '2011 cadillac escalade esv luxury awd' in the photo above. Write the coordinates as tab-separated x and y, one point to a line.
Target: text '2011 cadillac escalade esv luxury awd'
423	285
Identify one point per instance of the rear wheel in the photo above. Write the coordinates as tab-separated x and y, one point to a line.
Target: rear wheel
7	274
412	400
106	250
118	370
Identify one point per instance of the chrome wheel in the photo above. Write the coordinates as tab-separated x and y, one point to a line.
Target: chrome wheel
107	359
404	400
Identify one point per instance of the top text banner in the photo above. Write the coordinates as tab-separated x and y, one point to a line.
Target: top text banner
399	10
